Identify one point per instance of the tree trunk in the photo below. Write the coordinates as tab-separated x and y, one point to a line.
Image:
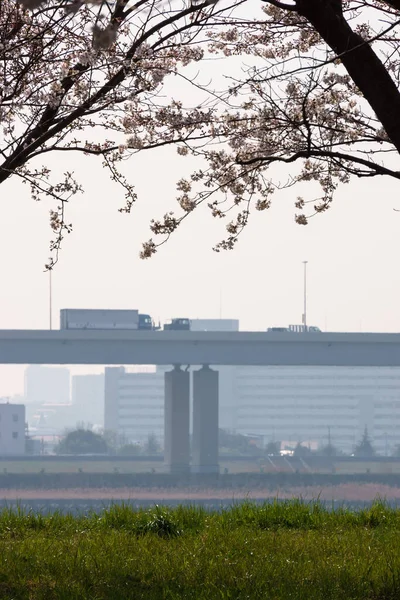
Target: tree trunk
362	64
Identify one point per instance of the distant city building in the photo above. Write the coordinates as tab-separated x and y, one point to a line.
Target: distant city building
47	397
47	414
16	399
311	405
134	403
88	398
51	419
47	385
12	429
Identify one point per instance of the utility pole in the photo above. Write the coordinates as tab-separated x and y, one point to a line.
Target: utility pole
305	295
50	302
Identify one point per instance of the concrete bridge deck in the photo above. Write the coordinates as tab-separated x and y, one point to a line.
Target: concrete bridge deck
107	347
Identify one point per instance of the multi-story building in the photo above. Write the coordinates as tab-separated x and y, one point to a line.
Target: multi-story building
44	385
88	399
134	403
12	429
47	398
309	404
314	404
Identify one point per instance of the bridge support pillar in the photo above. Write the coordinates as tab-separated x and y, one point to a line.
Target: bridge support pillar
176	420
205	421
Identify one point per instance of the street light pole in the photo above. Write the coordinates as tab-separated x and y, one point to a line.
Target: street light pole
305	295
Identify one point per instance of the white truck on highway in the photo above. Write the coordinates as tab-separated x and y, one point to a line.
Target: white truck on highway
74	318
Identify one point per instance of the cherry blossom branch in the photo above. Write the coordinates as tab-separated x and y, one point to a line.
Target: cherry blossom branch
374	168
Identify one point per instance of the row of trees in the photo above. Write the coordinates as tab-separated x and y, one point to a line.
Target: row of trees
85	441
364	448
316	94
237	443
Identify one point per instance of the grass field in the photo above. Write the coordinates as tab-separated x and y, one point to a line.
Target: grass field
283	551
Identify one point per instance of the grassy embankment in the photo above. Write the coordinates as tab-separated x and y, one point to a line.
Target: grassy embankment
112	466
66	466
279	551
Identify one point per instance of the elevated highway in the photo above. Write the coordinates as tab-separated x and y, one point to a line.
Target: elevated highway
205	349
113	347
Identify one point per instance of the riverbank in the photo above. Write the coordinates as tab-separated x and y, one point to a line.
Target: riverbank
352	492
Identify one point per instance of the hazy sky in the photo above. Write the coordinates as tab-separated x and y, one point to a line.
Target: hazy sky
353	277
352	249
